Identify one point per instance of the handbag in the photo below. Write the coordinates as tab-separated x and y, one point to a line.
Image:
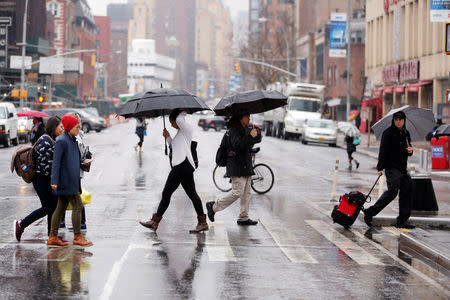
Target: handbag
86	198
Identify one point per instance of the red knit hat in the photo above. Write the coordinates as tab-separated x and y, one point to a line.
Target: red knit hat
69	122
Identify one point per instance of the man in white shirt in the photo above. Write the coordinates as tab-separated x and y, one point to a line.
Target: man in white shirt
183	167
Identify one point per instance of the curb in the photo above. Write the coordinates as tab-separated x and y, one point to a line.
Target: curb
425	250
422	222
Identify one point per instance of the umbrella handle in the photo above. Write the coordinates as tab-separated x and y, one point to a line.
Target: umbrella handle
165	139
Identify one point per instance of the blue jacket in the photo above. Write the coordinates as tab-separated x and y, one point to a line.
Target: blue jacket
66	165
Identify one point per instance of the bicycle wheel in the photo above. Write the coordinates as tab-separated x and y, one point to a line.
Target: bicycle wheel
262	181
221	181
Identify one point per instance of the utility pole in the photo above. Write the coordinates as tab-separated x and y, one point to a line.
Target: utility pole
24	45
349	12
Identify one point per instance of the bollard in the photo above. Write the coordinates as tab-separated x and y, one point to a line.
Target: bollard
421	159
335	178
425	158
381	185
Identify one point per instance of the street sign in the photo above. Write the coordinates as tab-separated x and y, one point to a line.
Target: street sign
15	62
51	65
5	22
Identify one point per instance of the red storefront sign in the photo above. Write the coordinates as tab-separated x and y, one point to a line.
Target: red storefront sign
414	87
388	3
409	71
390	74
399	89
388	89
377	92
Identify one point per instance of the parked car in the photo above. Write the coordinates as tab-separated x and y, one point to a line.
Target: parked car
320	131
88	122
8	124
216	122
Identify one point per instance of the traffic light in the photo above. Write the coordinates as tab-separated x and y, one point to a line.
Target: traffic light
43	98
447	38
237	68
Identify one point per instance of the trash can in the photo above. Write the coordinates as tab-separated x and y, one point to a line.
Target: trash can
422	194
440	153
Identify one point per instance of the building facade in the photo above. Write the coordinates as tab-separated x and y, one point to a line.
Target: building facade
405	59
146	68
104	53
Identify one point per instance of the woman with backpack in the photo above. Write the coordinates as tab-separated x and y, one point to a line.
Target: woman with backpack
141	128
351	147
183	167
43	158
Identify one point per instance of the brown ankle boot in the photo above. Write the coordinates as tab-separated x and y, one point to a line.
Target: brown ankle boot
54	241
78	240
153	223
201	225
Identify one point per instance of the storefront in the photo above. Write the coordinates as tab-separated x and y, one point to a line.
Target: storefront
371	110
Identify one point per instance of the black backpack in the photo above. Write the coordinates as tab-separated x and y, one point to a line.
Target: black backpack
222	153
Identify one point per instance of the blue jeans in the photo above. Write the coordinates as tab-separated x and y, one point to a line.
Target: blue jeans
48	200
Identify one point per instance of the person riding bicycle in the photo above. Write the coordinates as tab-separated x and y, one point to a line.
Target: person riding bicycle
239	143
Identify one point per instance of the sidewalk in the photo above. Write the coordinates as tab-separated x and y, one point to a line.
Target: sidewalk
431	240
371	149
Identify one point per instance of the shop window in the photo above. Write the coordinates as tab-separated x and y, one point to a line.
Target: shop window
319	61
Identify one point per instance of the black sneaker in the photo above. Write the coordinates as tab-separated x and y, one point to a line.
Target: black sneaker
62	225
247	222
209	208
357	165
405	225
368	218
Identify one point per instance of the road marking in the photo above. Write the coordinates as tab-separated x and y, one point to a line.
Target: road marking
287	242
354	251
115	271
384	250
99	174
218	246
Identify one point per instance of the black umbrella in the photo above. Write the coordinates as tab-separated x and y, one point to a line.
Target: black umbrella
443	130
252	101
159	102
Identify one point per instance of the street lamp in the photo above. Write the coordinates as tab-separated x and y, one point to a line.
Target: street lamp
24	43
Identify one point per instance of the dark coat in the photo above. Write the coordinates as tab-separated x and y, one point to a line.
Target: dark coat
66	165
393	153
239	144
43	156
350	146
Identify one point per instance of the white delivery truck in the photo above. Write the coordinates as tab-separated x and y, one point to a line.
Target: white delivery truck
304	103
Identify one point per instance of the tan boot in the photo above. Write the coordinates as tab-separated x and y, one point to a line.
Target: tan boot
201	225
153	223
78	240
54	241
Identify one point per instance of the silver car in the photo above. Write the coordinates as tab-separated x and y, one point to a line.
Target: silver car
320	131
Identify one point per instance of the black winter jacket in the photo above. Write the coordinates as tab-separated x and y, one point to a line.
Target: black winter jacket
393	153
350	146
239	144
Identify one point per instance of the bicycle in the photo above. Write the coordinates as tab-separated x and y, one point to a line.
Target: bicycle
262	181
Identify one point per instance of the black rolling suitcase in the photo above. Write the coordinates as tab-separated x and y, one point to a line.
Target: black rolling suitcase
349	207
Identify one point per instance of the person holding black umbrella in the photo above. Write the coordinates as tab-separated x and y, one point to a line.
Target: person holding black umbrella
183	167
395	148
239	142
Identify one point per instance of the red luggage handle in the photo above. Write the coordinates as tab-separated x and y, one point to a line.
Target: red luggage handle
368	194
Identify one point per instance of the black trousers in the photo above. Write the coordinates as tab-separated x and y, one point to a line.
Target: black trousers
180	174
396	181
48	202
141	139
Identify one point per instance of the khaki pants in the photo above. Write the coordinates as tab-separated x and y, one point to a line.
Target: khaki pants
240	188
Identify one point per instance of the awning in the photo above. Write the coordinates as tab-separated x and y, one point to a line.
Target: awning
399	89
414	87
388	89
377	92
334	102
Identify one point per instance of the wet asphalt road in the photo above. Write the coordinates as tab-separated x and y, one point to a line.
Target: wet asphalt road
294	252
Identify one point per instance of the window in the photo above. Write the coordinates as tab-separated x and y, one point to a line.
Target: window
53	9
97	44
329	79
335	75
281	16
319	61
303	68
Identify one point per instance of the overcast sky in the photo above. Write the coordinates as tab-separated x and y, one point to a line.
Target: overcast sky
99	6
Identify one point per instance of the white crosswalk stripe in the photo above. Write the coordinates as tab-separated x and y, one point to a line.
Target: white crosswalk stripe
287	242
218	246
354	251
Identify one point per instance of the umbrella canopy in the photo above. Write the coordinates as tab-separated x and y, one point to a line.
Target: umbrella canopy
32	114
348	129
157	102
443	130
253	101
419	122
